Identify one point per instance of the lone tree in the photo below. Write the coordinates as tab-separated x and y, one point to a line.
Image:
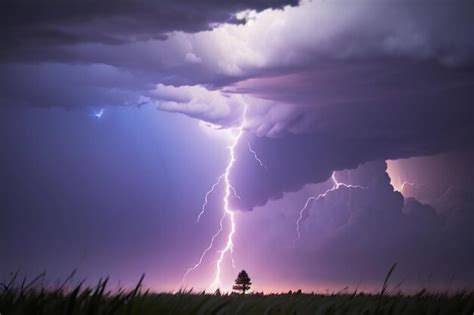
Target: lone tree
243	282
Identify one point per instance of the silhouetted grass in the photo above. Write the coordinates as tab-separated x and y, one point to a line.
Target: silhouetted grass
23	297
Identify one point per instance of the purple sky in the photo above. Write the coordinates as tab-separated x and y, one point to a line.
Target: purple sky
379	92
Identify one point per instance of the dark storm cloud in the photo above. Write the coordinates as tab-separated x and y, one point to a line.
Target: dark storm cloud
415	122
315	37
28	26
376	227
329	84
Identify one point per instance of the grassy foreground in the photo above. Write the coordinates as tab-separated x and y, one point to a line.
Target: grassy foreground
28	300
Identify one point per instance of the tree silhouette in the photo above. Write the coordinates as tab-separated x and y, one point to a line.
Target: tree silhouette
243	282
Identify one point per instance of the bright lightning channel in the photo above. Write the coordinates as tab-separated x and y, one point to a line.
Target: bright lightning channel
229	247
335	186
259	161
209	192
228	212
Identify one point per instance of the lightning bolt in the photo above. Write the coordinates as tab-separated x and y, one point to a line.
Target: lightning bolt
229	213
335	186
206	198
401	187
259	161
211	244
229	247
404	184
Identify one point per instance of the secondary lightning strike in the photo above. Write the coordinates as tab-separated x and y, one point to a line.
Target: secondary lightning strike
256	157
211	244
210	191
334	187
235	193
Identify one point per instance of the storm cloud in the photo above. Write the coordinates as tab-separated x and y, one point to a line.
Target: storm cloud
377	222
328	84
30	28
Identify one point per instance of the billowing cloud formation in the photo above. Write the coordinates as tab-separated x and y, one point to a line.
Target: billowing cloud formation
30	27
346	138
196	101
337	57
317	35
328	84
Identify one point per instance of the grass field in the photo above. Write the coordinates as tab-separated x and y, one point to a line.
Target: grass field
28	298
